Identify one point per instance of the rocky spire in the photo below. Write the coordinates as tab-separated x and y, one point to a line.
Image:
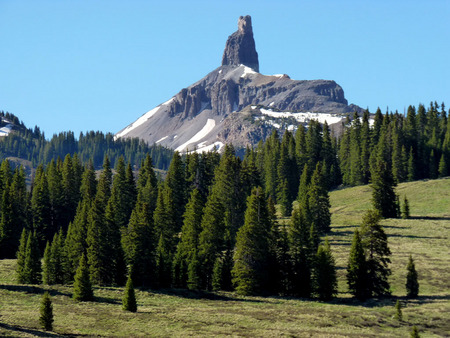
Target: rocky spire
240	46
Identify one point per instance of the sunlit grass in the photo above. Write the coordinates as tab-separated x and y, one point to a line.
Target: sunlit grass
181	313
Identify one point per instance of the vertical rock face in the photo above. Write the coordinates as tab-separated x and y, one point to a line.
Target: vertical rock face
240	47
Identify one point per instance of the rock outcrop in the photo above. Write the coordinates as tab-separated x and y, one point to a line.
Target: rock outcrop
235	103
240	47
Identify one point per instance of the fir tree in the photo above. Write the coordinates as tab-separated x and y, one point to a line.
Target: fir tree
357	269
46	318
32	270
383	191
374	240
163	263
47	271
412	283
325	280
319	202
129	297
21	257
405	208
398	311
193	272
82	288
251	255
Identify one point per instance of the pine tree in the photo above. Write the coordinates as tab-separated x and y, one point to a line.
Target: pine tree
82	288
319	202
398	311
129	297
46	318
405	208
47	270
193	272
21	257
412	283
383	191
374	240
251	254
443	166
41	208
357	269
163	263
325	280
32	270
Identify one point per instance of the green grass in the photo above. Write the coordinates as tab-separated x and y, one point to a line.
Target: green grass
181	313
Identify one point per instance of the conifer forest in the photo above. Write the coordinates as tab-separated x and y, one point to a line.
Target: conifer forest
254	225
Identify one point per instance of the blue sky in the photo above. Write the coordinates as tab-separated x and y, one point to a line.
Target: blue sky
99	65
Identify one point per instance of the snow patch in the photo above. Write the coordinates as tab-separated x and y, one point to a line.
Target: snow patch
247	71
209	126
162	139
4	131
253	107
271	104
142	119
304	117
216	145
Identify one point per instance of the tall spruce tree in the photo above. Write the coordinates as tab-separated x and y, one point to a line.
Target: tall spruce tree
129	297
357	269
82	287
375	242
21	257
324	273
251	255
319	202
412	283
383	191
32	269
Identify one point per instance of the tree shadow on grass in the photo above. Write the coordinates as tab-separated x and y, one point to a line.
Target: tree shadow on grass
35	333
202	295
387	301
35	289
430	218
416	237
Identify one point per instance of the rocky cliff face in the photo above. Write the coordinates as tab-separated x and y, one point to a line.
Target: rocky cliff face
235	103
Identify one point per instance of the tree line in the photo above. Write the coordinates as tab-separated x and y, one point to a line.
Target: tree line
32	145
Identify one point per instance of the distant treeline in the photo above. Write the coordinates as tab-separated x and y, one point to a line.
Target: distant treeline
31	145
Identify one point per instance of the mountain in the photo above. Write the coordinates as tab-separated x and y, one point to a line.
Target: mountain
236	104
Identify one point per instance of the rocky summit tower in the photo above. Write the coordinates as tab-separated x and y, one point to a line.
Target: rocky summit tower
236	104
240	47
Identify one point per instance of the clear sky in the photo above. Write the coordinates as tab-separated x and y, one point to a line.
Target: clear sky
99	65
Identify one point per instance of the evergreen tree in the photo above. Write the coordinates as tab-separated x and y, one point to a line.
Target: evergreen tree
46	318
251	255
32	270
8	233
325	280
222	278
176	182
129	297
383	191
443	167
163	263
405	208
398	311
47	270
21	257
374	240
193	271
412	283
357	269
319	202
41	208
82	288
138	242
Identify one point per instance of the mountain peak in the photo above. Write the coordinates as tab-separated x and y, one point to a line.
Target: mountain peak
240	47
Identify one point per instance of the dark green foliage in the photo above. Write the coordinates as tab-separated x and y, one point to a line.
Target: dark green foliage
129	297
21	257
383	191
405	208
398	311
82	287
138	242
193	272
374	240
46	311
221	278
357	269
163	263
324	273
32	269
319	202
412	283
251	253
41	208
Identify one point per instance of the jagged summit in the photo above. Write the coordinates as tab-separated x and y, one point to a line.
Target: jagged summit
240	47
236	104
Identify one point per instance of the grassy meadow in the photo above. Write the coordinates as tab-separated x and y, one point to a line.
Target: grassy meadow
181	313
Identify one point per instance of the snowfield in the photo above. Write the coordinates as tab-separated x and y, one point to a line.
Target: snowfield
209	126
304	117
141	120
4	131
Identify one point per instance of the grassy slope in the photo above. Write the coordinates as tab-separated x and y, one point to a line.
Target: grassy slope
180	313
